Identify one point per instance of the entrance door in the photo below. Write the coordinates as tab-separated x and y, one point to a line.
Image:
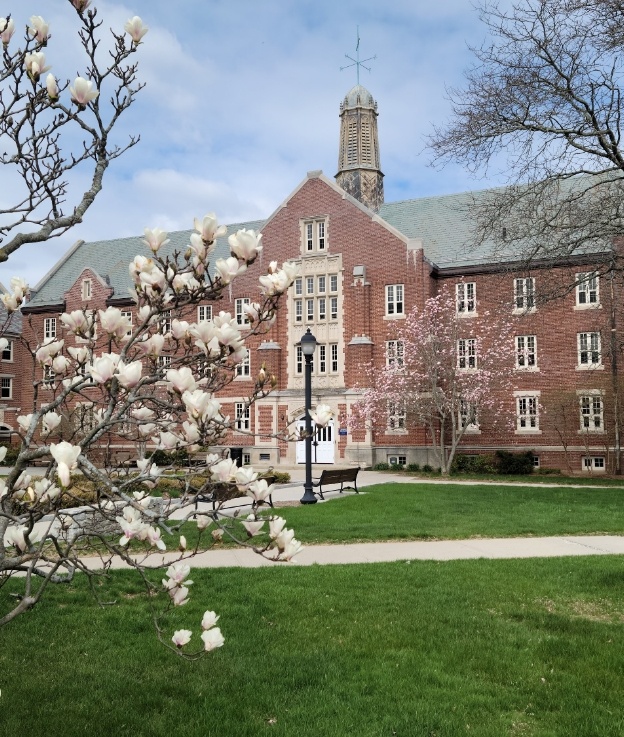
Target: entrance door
322	443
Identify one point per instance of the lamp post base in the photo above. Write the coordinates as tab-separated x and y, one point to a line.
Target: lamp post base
309	497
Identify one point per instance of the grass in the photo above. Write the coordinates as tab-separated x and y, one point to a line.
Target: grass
481	648
447	511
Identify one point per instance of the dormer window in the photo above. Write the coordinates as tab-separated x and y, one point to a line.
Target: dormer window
86	288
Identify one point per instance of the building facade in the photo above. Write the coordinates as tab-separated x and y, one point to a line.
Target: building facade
363	265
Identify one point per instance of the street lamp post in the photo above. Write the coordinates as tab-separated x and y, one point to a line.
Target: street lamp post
308	346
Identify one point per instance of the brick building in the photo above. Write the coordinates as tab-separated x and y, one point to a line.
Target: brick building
363	265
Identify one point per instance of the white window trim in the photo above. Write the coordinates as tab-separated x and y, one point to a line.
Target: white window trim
87	289
591	393
10	380
49	328
400	413
317	243
471	428
589	366
242	371
461	298
395	302
10	347
527	395
207	309
526	353
591	468
395	354
524	295
581	288
239	312
242	417
469	352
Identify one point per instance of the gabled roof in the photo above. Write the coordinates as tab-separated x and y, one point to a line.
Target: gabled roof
110	259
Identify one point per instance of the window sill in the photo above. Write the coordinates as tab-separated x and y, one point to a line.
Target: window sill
590	367
528	369
389	431
591	431
394	317
528	431
464	315
590	306
521	311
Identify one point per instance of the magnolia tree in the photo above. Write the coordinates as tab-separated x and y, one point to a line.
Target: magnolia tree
51	128
444	372
152	379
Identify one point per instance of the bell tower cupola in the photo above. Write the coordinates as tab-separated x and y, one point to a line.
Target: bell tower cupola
359	171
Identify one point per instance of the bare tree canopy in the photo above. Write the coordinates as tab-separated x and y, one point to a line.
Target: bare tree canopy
50	128
543	102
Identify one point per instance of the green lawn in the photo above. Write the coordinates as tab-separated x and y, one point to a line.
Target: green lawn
452	511
481	648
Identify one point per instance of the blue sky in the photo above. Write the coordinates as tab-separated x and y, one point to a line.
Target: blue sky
242	99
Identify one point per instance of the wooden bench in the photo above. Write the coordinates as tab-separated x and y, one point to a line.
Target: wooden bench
224	492
337	476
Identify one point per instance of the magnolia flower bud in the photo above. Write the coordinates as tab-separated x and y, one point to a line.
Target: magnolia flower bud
7	29
39	29
81	92
135	29
81	5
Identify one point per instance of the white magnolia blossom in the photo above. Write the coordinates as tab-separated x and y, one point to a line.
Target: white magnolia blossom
81	92
212	639
229	268
3	452
39	29
7	29
10	302
167	441
24	422
277	281
135	29
209	620
76	322
253	525
19	287
52	87
245	245
142	413
209	228
129	374
155	238
323	415
16	536
66	456
60	364
50	421
224	470
46	353
276	525
35	64
180	329
259	490
114	323
203	521
245	476
79	355
181	637
201	406
103	369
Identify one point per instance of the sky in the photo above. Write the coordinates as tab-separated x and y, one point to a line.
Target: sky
242	100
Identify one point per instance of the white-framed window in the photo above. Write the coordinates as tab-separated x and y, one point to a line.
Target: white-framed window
128	315
164	362
333	308
299	361
322	362
526	352
467	353
48	375
239	308
244	368
322	309
298	310
536	461
592	413
595	464
468	416
165	322
309	310
205	368
243	416
397	416
6	387
527	413
86	289
298	286
587	289
524	295
246	459
589	353
466	298
204	313
7	353
309	285
49	328
395	353
333	366
333	282
315	236
394	299
322	283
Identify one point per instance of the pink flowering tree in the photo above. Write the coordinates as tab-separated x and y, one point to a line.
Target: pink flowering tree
446	372
53	126
149	375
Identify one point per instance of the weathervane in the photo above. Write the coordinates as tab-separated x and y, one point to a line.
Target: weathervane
356	62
